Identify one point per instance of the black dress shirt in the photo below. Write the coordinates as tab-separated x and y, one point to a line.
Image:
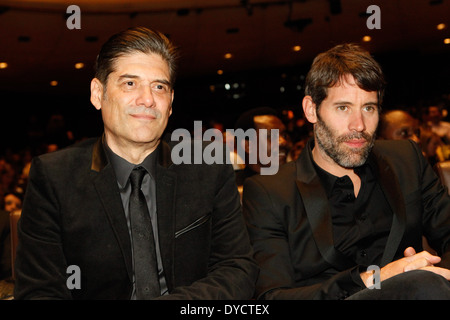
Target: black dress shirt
361	224
122	169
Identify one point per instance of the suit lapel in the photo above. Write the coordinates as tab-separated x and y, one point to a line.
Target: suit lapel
317	210
106	185
392	191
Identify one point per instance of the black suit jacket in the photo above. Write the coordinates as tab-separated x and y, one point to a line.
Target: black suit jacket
290	226
5	245
73	215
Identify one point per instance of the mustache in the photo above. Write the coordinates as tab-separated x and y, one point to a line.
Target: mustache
146	111
356	135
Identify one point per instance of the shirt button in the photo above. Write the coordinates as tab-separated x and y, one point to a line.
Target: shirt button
363	253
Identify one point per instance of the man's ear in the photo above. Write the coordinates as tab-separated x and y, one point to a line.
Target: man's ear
171	102
96	93
310	110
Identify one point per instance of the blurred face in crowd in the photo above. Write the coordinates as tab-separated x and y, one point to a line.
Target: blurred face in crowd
399	125
344	125
12	202
270	122
136	101
434	114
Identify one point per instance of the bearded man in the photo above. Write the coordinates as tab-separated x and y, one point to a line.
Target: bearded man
346	220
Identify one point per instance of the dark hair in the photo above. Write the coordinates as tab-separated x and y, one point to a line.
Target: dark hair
139	39
246	120
329	68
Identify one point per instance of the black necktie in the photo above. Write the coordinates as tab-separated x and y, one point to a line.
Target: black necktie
145	263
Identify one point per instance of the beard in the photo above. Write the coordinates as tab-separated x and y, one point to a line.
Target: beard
334	145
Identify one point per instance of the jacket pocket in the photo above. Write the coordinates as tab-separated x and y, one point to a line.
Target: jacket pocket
197	223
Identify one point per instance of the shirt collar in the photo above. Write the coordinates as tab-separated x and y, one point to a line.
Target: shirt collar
122	168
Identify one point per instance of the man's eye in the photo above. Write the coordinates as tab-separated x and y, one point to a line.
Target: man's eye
342	108
129	85
160	87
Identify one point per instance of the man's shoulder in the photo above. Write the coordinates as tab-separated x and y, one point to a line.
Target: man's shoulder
73	153
394	146
281	178
400	154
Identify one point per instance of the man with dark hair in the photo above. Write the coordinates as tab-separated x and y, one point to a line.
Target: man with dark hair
114	217
399	125
346	219
262	118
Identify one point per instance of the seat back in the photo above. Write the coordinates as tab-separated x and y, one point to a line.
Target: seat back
13	220
443	170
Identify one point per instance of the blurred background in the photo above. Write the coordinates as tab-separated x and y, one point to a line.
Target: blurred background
235	55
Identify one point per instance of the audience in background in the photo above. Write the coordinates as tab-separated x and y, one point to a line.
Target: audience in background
398	125
5	246
435	122
294	132
432	146
12	201
261	118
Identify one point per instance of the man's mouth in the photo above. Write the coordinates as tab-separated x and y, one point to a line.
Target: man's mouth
142	116
355	143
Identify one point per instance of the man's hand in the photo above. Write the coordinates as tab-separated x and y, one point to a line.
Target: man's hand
409	252
412	261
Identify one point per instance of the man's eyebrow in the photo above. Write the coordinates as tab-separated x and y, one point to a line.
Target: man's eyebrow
370	103
163	81
128	76
133	76
341	102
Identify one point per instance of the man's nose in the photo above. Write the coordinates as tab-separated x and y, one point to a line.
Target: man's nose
145	97
357	122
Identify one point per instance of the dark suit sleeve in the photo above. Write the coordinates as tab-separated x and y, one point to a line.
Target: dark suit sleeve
5	245
436	206
40	263
232	270
269	230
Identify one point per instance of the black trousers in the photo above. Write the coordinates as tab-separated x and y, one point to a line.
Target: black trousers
411	285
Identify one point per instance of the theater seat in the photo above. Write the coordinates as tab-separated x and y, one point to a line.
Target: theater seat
443	170
13	219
